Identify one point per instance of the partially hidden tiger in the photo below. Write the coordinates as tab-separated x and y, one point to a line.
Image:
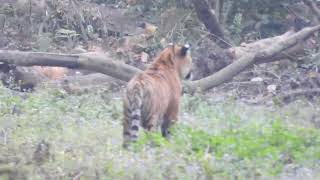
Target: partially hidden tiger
152	98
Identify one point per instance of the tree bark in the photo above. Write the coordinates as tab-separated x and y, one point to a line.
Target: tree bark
245	48
97	63
214	60
210	20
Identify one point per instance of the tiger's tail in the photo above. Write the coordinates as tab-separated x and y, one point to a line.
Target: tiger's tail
133	115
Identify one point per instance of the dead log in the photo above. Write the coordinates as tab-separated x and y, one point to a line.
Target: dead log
105	65
250	58
88	61
246	48
215	59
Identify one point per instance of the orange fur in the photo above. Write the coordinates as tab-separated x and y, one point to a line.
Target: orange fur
152	97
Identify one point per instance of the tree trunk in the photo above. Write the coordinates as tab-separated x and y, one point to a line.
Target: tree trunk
210	20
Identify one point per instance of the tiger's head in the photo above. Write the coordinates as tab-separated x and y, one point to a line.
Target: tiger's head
180	58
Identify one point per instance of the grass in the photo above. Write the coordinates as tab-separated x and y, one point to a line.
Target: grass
211	141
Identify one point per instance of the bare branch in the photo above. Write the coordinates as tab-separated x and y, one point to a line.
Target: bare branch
248	59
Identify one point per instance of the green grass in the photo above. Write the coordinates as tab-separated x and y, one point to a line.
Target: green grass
211	141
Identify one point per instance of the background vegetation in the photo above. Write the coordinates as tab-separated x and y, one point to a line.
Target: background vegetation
81	137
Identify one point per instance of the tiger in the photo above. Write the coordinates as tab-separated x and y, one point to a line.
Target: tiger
151	98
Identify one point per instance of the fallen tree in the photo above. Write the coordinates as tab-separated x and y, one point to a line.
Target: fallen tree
106	65
252	57
88	61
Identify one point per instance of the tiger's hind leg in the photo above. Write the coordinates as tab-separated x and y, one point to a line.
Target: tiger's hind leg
169	119
165	128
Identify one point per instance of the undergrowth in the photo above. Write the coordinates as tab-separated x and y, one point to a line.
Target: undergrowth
211	141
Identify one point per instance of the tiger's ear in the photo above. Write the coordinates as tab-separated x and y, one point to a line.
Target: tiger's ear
185	49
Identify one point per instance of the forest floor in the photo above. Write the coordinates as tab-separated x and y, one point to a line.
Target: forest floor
52	135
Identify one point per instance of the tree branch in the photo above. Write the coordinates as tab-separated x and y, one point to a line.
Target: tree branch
97	63
105	65
248	59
